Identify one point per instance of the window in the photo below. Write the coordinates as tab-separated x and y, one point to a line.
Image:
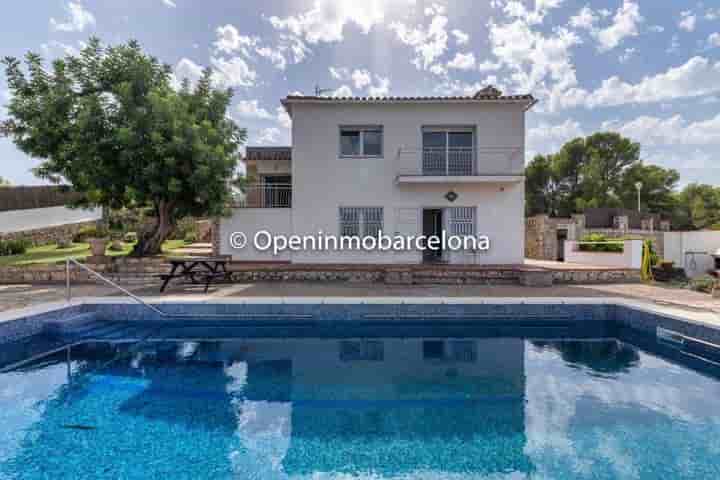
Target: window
361	141
360	221
448	151
357	350
462	220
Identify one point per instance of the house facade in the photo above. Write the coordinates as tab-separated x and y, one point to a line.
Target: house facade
401	165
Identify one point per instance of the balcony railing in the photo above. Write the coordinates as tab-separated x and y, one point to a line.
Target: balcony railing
448	161
273	195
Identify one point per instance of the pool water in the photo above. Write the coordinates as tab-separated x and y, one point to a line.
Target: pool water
342	409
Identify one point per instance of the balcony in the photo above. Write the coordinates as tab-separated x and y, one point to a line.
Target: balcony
267	195
459	165
450	161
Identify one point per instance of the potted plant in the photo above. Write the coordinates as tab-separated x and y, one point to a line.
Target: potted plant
98	241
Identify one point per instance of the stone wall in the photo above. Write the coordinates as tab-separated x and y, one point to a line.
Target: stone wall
114	268
541	242
48	235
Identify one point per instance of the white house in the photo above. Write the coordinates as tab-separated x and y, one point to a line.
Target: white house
404	165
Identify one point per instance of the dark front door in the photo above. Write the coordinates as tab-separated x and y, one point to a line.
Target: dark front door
432	226
561	238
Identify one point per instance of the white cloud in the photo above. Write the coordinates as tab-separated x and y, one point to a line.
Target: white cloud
339	73
229	40
233	72
517	10
625	24
283	118
343	91
169	3
585	18
714	40
275	56
55	49
461	38
534	57
376	85
429	43
547	138
488	66
656	28
186	69
78	18
687	21
712	14
462	61
269	135
361	78
250	109
697	77
381	89
674	44
626	55
674	130
326	20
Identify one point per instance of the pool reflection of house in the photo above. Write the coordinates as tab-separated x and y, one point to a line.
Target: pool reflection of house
413	405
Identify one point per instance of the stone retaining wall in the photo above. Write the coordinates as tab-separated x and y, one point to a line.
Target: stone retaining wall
121	268
48	235
130	270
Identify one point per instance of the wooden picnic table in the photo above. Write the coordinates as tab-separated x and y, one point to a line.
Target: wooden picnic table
197	270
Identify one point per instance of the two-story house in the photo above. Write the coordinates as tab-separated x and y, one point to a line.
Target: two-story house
402	165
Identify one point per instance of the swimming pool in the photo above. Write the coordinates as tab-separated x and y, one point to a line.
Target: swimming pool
537	394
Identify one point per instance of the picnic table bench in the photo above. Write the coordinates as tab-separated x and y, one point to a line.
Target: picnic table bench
197	270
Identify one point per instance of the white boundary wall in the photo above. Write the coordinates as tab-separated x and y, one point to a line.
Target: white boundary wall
692	250
630	257
35	218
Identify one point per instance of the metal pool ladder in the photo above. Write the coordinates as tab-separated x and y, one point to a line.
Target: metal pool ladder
69	262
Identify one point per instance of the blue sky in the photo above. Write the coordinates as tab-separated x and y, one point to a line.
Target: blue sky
649	69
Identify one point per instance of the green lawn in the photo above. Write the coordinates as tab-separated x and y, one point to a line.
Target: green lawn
48	254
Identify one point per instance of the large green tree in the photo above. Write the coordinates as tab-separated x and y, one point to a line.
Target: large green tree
597	171
609	155
657	194
697	206
109	122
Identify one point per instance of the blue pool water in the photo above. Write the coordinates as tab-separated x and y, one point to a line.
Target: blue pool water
498	408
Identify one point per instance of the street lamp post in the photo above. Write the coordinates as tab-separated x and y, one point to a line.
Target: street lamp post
639	186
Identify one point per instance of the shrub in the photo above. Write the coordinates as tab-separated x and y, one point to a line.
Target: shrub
185	227
598	244
190	237
130	237
116	246
86	233
13	247
703	284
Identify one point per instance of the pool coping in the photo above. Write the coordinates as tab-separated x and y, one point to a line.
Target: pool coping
689	315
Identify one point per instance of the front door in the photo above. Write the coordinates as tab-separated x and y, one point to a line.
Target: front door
432	226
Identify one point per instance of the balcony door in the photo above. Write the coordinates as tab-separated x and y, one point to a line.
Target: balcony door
448	151
276	191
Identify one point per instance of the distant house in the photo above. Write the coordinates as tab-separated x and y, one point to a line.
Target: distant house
39	214
400	165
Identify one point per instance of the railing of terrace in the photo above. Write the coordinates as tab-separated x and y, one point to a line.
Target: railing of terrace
266	195
448	161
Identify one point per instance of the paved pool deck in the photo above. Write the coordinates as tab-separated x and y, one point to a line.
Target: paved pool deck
662	299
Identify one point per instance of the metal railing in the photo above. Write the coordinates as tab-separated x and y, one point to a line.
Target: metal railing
266	195
69	262
445	161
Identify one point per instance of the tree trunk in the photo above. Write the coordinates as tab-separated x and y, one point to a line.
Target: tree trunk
150	242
